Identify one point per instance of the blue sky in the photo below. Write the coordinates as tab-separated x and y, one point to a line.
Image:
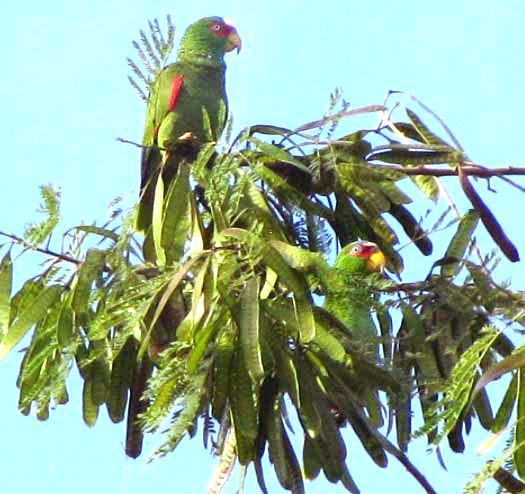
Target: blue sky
65	100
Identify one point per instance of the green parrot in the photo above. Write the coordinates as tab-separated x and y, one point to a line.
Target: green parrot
187	106
187	102
350	302
345	299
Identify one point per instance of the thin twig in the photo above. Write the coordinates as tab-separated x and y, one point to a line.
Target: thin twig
322	121
48	252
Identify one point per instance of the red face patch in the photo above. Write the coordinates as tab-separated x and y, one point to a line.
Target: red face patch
363	250
220	28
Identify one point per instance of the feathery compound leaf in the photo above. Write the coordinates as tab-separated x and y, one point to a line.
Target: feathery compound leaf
139	74
459	386
36	233
459	242
424	131
143	58
149	51
185	418
34	304
290	278
154	36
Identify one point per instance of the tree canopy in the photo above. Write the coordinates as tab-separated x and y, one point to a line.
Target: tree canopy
214	319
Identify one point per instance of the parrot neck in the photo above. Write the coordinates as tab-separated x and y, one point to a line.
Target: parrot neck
201	58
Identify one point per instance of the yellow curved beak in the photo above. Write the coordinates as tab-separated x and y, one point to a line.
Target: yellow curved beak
233	41
376	262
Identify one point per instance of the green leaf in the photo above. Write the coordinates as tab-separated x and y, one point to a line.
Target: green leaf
302	298
243	410
300	259
32	309
65	326
507	406
276	445
203	339
104	232
249	328
120	380
173	284
89	408
427	185
175	226
508	364
221	371
311	461
413	154
156	224
519	435
459	242
279	154
87	274
428	136
6	283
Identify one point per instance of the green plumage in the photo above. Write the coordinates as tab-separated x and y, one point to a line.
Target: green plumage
196	112
347	297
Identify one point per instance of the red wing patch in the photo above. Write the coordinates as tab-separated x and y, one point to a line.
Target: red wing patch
176	86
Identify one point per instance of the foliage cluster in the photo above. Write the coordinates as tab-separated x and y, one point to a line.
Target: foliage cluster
214	319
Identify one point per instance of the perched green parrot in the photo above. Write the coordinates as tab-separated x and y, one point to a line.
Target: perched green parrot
348	300
187	102
345	297
187	106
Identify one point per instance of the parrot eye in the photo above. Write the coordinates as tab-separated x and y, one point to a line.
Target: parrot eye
215	27
356	249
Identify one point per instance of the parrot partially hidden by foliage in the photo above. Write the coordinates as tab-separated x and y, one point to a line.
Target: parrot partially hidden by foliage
187	106
346	298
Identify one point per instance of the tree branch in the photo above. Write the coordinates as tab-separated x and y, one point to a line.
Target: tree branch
474	170
48	252
508	481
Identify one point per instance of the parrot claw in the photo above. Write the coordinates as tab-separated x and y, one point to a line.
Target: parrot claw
186	137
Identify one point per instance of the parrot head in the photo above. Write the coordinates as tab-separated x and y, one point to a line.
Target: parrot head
209	38
361	257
